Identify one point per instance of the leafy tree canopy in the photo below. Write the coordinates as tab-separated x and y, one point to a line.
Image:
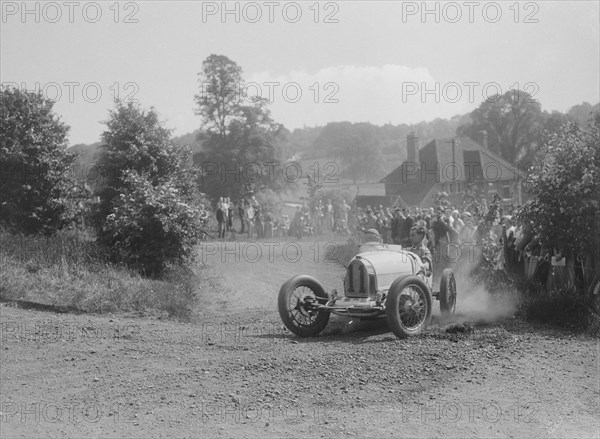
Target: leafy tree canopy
243	148
36	174
514	122
149	214
565	187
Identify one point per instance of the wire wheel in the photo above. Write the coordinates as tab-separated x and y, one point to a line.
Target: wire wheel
298	303
408	306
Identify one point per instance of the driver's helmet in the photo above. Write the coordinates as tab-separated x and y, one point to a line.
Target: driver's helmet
372	235
371	241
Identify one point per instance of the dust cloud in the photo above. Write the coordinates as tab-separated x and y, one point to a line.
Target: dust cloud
474	302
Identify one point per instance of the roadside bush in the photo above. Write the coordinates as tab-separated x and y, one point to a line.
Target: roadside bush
151	227
564	213
564	210
35	181
149	212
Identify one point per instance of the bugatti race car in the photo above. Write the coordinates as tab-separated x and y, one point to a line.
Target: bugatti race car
381	281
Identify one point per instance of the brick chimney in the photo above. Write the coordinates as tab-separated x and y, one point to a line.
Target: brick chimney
483	136
412	148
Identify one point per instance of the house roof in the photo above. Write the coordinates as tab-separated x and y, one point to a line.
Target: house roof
491	160
440	162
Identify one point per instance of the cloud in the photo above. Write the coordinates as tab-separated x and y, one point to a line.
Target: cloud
390	93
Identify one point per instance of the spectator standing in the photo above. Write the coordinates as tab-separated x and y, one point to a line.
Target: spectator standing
286	224
319	217
344	210
221	220
441	231
258	223
329	216
297	224
407	224
467	233
458	223
249	219
229	213
382	226
268	221
396	226
242	215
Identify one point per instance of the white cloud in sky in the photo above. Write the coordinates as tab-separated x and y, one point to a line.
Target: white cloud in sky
390	93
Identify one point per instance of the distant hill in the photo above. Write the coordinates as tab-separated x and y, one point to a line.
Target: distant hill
191	140
307	143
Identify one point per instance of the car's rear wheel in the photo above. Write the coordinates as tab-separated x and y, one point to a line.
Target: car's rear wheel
408	306
298	302
447	293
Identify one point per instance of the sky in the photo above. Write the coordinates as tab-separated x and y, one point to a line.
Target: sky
317	62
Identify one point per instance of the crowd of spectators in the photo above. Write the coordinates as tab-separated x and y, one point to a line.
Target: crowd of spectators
254	220
444	229
259	222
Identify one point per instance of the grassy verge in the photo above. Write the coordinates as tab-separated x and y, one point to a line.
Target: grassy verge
70	270
566	308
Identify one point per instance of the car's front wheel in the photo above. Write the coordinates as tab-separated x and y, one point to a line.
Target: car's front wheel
298	302
408	306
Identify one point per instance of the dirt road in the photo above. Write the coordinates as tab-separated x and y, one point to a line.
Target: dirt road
236	372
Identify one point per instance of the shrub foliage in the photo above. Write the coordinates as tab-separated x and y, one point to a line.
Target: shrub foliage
35	180
149	214
565	188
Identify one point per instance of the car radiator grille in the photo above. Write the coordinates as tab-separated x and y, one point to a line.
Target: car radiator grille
357	280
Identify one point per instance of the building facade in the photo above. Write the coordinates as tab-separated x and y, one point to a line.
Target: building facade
453	166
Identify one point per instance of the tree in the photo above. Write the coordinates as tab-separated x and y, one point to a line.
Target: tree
582	112
149	213
36	175
358	146
135	139
514	123
220	95
565	206
243	148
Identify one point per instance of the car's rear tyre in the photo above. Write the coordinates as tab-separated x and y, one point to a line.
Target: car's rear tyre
447	293
297	302
408	306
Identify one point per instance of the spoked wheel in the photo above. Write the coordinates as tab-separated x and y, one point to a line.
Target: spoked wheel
447	293
298	304
408	306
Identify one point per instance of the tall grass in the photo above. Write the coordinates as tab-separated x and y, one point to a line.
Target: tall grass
565	307
70	269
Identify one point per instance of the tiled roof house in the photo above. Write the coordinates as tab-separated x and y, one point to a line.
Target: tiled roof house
449	165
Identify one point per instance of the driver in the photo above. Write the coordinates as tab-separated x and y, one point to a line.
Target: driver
371	241
417	235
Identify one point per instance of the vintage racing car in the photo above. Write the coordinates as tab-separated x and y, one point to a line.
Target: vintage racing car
381	281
